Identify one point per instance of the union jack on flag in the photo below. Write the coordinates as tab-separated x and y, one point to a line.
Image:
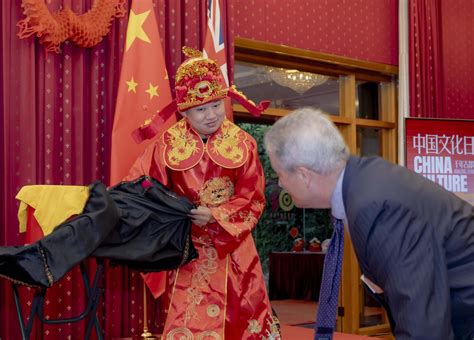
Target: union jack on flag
214	47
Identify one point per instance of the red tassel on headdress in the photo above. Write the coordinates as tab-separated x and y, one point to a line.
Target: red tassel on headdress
254	110
154	126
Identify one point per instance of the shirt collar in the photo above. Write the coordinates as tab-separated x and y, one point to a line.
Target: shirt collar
337	203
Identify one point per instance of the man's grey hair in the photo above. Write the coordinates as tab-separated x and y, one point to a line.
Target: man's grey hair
307	137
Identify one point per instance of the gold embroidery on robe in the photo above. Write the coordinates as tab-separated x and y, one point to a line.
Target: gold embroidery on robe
228	217
208	334
194	298
183	148
201	277
213	310
216	191
257	206
182	333
273	330
226	143
254	327
227	146
225	214
249	218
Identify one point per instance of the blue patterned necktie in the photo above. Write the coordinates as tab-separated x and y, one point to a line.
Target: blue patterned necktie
328	295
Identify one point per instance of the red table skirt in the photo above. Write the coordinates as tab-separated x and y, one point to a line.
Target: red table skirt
295	275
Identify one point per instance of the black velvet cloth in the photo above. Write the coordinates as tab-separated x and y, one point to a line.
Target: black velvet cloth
154	232
140	224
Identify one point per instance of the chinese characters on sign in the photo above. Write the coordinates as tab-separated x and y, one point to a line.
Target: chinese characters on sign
442	151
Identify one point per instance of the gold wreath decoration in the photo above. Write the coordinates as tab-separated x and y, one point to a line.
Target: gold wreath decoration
85	30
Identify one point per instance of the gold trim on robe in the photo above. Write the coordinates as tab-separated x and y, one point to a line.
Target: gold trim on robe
227	147
184	148
199	296
216	191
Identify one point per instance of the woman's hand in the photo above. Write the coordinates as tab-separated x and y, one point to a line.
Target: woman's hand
201	216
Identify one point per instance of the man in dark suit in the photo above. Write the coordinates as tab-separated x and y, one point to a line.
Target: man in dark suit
414	240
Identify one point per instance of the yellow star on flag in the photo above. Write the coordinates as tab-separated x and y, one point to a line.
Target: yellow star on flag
152	90
135	29
132	86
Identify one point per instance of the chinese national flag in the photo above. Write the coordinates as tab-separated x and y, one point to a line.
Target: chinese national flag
143	90
214	44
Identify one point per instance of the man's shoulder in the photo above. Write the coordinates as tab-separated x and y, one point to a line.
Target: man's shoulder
371	181
361	174
369	171
356	163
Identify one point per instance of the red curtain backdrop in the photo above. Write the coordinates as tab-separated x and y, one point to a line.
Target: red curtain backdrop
57	114
441	58
360	29
458	57
426	75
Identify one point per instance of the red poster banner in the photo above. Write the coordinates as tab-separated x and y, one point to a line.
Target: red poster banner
442	150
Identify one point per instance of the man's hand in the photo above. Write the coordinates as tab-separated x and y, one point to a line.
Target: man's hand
201	216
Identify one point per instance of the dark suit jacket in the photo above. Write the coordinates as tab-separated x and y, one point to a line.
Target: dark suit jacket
416	241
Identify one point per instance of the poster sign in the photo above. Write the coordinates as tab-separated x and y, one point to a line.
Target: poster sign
442	150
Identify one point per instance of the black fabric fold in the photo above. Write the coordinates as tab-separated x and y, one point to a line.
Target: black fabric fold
140	224
154	230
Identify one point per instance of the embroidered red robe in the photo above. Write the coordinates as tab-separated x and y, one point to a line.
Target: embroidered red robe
222	294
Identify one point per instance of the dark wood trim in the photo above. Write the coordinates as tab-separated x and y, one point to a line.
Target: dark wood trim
290	57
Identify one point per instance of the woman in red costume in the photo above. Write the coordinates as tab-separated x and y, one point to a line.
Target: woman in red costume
215	164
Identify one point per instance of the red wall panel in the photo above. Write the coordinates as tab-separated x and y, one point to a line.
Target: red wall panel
458	57
360	29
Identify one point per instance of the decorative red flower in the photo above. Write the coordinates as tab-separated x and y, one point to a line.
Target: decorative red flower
294	232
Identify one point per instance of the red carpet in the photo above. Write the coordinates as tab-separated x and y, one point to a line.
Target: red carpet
300	333
293	314
297	318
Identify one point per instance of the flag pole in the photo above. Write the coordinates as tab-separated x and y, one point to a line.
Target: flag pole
146	333
144	90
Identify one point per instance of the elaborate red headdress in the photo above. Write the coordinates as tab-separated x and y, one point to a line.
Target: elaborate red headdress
198	81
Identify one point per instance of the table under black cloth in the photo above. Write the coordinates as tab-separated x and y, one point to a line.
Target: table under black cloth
295	275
